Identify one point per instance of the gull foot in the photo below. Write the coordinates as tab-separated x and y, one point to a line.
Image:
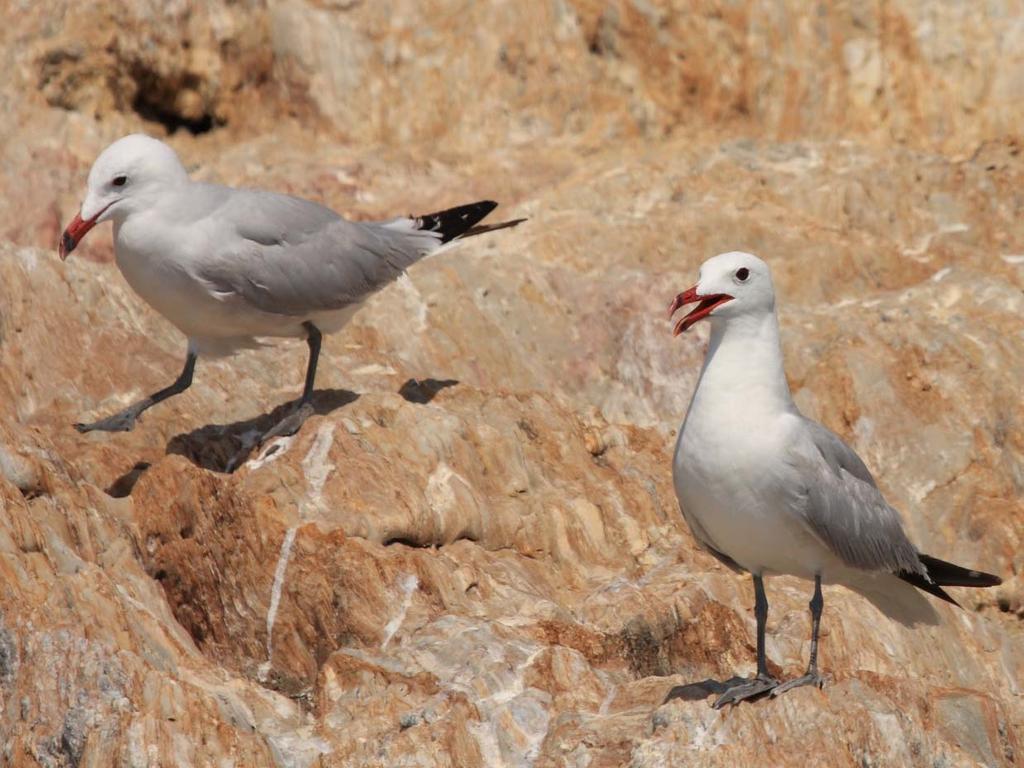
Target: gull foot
240	456
123	421
286	427
811	678
747	690
289	425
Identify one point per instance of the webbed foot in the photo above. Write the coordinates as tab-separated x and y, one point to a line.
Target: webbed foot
811	678
746	690
122	421
286	427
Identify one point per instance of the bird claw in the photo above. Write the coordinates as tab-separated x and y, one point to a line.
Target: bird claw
238	459
286	427
289	425
810	678
747	690
123	421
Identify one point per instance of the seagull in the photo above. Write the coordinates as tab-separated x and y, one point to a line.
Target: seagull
768	491
229	267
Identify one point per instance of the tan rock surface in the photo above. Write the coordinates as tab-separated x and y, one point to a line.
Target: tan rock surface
473	555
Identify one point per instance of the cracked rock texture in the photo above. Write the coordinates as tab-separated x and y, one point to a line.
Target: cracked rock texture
472	554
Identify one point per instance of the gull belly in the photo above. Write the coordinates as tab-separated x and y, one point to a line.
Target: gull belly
741	496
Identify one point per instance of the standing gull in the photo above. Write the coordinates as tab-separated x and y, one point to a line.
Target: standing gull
768	491
229	266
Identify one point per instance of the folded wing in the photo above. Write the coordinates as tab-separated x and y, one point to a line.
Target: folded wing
843	507
293	257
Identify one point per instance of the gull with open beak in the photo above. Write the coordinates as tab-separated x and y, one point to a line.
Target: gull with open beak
768	491
231	266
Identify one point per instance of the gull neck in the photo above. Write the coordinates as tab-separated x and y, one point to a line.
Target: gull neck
744	363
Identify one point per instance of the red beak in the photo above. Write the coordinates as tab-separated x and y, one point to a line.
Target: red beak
703	309
74	233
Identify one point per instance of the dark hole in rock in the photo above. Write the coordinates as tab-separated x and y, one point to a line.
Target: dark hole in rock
156	96
170	120
405	541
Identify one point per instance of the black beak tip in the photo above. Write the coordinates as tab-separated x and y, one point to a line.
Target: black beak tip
67	243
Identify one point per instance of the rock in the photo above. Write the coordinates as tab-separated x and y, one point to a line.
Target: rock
22	473
472	554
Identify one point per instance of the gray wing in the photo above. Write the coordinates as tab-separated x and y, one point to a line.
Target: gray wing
843	507
290	256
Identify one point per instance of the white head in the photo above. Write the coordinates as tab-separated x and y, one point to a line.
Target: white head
125	174
733	284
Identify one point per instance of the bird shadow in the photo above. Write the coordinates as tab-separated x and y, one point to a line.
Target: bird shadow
422	391
224	447
702	689
218	447
124	484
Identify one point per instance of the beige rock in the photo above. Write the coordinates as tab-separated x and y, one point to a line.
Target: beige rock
472	555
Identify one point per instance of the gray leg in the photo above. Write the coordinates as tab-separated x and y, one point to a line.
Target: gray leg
291	423
313	341
811	677
763	682
761	613
124	421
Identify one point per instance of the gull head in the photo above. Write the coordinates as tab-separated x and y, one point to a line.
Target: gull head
731	285
123	178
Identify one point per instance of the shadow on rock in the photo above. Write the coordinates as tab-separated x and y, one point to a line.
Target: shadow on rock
225	447
424	390
123	485
702	689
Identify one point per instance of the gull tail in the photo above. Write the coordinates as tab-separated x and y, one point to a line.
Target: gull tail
461	221
942	574
895	598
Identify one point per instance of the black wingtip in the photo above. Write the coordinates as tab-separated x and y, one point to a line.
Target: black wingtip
951	575
942	574
454	222
924	585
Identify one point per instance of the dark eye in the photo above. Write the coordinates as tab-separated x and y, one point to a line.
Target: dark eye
742	274
119	181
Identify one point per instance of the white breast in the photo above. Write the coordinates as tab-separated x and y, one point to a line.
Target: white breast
731	480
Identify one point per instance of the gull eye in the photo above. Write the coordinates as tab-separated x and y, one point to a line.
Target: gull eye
119	181
742	274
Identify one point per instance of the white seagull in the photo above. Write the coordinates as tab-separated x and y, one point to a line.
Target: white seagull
231	266
768	491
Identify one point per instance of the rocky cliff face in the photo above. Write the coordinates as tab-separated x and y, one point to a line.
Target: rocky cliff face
472	555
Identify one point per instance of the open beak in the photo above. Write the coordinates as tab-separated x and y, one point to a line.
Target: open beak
704	308
74	233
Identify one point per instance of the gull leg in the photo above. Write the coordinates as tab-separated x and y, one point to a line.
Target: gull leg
811	677
291	423
124	421
763	682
